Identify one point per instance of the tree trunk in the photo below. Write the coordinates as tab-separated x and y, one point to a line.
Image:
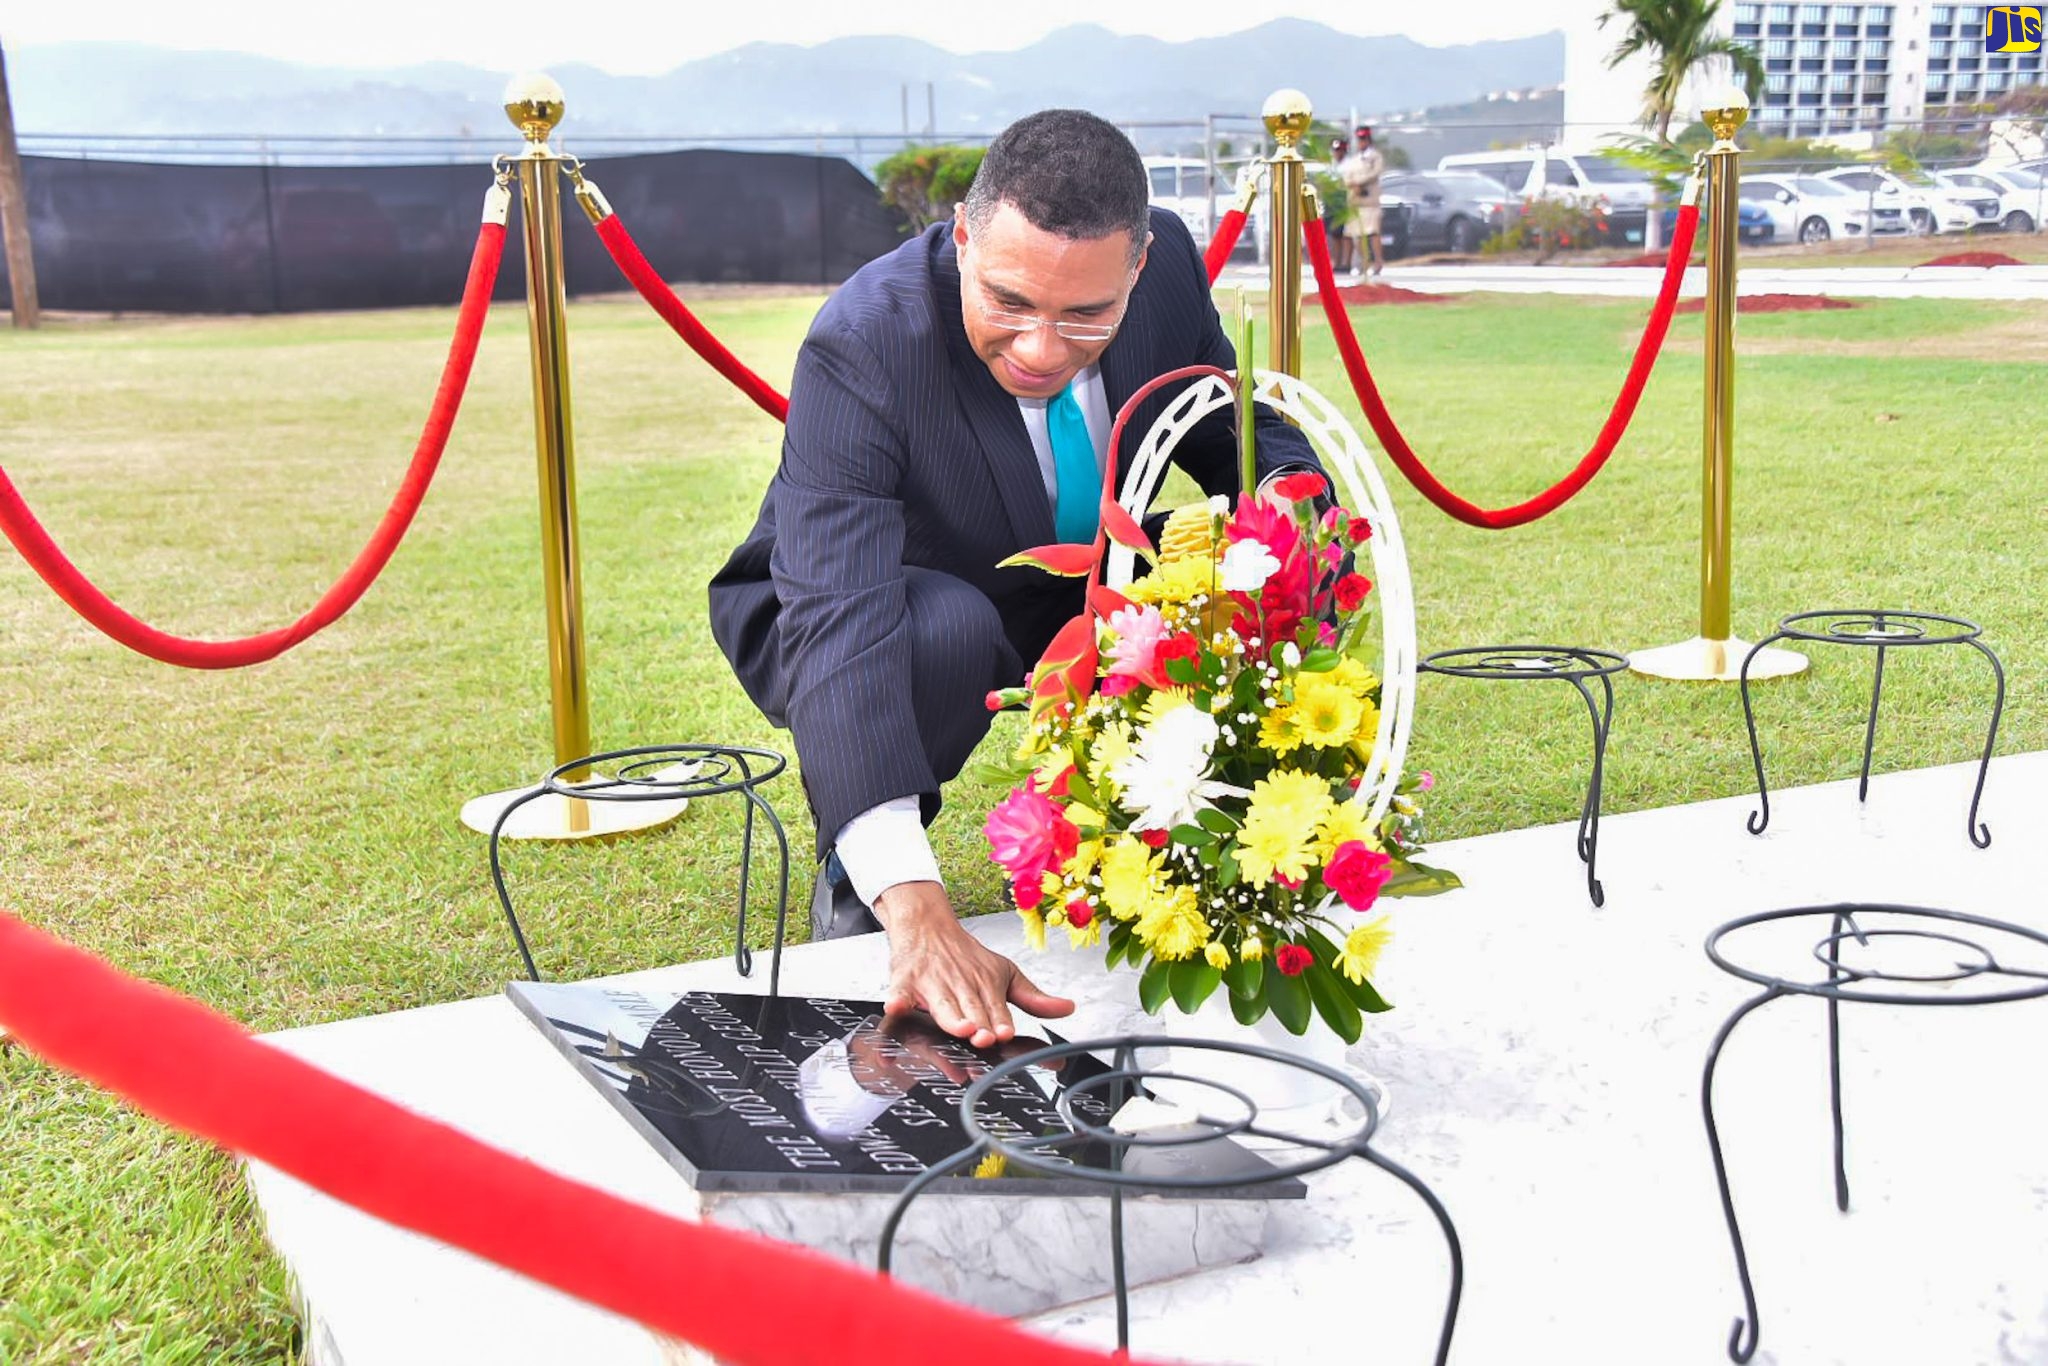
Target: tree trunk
21	266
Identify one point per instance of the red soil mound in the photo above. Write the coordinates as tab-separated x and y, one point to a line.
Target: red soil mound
1772	303
1380	294
1975	258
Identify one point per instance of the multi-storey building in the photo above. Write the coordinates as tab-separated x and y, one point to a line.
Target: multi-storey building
1829	69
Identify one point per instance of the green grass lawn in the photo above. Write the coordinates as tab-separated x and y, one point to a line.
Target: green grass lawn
282	841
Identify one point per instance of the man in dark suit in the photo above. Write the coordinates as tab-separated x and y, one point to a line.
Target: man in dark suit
951	406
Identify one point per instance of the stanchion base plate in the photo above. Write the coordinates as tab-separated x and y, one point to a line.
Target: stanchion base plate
1700	660
554	817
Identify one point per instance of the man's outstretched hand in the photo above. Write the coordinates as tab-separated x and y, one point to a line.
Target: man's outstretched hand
937	966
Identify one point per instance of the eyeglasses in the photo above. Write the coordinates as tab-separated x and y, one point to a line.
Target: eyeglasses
1031	322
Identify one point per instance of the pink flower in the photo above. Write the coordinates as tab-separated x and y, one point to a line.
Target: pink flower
1290	883
1028	891
1326	635
1138	631
1333	522
1292	959
1116	685
1357	873
1029	835
1426	781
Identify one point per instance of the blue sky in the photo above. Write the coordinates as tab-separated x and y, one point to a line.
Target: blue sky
638	37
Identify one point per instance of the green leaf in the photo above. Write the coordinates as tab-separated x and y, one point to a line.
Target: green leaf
1319	661
1419	879
1181	671
1247	1011
1193	980
1245	978
1226	868
1118	939
1364	996
1288	996
1191	834
1217	822
1332	1003
1153	987
1210	855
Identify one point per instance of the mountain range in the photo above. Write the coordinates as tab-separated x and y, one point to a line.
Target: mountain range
841	86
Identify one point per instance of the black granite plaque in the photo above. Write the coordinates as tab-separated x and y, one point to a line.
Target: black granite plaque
754	1093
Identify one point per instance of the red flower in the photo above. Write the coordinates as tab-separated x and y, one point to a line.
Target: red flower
994	701
1028	890
1155	839
1182	646
1079	913
1292	959
1357	873
1295	487
1290	883
1351	591
1059	784
1116	685
1359	532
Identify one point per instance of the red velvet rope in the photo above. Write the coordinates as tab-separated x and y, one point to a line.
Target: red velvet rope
1228	230
1550	499
728	1292
643	277
68	583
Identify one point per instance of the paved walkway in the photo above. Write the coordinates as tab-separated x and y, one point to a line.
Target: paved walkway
1544	1066
1890	282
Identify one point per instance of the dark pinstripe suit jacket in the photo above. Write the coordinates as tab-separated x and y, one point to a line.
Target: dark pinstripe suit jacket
901	449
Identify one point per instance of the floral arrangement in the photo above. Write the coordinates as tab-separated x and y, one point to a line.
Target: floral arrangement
1188	786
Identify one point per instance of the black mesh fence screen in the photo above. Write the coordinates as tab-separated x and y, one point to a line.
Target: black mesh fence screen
114	236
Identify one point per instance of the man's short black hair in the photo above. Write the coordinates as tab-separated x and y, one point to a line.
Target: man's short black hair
1069	173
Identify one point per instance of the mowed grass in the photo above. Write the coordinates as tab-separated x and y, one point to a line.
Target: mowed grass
282	842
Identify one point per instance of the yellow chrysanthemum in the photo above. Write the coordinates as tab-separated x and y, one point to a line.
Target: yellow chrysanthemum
1173	926
1252	949
993	1165
1345	823
1174	581
1164	701
1325	712
1280	824
1363	947
1127	873
1367	734
1354	677
1034	928
1218	956
1087	854
1277	734
1111	747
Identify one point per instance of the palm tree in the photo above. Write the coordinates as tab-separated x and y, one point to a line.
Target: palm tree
1679	36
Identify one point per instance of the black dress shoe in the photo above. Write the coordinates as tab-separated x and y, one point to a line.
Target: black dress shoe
837	911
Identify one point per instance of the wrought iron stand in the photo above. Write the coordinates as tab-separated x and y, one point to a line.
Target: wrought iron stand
713	770
1881	630
1576	665
1041	1153
1943	932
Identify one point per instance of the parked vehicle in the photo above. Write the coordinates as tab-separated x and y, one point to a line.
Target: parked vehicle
1184	185
1929	205
1619	196
1808	209
2022	195
1446	210
1753	227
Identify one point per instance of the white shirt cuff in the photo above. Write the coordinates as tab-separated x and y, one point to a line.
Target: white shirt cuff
886	845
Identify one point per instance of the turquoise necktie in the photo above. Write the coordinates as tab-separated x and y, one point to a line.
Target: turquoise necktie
1076	513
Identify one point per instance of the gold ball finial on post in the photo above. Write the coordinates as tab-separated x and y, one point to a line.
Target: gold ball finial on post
1288	115
534	103
1724	109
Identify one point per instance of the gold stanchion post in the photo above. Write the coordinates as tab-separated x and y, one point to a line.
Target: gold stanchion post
534	103
1288	114
1715	655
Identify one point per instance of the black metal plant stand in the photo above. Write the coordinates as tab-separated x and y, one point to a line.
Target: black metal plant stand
1881	630
717	769
1040	1153
1575	665
1955	941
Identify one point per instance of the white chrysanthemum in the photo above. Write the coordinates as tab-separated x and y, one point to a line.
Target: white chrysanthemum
1166	780
1246	567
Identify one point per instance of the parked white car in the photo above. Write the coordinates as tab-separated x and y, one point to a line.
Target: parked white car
2022	195
1807	209
1184	185
1619	196
1929	205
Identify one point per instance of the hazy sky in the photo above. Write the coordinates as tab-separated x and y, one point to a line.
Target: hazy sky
640	37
